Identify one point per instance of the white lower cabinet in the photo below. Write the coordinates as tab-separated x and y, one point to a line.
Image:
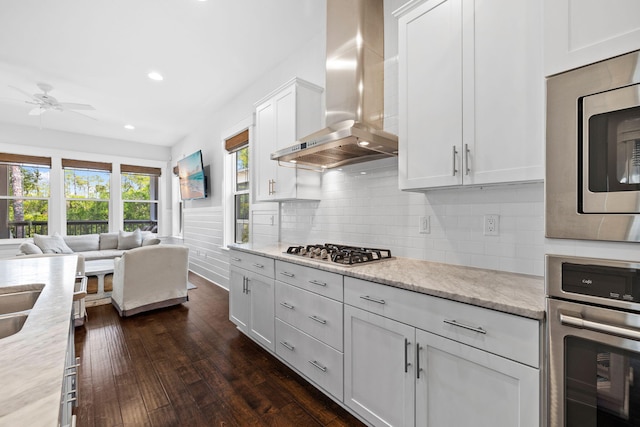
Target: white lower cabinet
399	374
459	385
379	376
251	299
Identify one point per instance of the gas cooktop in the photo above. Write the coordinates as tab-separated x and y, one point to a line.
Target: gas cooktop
340	254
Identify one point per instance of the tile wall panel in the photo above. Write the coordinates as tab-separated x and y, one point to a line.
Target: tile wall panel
368	209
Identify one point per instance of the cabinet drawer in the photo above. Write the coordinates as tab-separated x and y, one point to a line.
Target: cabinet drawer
504	334
256	263
320	363
314	280
314	314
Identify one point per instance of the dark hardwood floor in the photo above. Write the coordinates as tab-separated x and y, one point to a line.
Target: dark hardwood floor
189	366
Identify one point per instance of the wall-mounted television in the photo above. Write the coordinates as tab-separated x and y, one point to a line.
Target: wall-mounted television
193	182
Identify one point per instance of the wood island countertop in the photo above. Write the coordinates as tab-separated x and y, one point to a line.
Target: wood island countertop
32	361
513	293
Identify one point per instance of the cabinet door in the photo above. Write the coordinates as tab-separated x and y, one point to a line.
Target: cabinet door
238	300
261	149
261	309
378	368
578	32
460	385
285	128
503	91
430	92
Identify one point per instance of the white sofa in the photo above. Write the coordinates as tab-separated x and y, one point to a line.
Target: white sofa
90	246
150	277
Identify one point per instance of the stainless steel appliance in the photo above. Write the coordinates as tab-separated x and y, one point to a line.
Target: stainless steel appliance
593	309
354	92
593	151
341	254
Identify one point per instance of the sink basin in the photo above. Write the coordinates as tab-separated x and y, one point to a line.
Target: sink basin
11	324
18	301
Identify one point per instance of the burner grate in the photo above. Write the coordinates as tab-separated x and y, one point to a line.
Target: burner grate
340	254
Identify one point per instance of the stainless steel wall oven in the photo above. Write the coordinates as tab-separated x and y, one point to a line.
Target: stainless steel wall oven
593	151
593	309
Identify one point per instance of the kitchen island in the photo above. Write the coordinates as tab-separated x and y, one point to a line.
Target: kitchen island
32	361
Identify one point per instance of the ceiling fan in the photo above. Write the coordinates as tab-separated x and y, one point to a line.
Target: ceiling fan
45	102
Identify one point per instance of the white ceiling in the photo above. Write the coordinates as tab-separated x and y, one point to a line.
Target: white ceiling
99	52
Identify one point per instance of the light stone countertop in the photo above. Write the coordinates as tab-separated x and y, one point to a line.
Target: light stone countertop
32	361
512	293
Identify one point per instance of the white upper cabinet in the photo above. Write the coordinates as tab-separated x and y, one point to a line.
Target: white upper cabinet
471	92
579	32
290	112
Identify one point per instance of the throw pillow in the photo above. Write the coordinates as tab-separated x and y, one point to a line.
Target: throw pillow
108	241
150	241
51	244
29	248
128	240
82	243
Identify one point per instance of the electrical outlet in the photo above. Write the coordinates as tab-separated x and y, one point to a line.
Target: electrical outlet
424	227
491	225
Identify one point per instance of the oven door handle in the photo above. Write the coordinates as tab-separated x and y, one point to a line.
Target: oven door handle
579	322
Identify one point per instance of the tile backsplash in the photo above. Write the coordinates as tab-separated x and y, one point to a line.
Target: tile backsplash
361	205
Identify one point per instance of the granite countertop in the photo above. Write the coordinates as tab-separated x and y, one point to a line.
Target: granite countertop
512	293
32	361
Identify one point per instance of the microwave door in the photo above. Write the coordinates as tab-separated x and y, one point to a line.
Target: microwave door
610	169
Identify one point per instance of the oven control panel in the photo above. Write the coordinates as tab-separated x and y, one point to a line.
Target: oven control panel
602	281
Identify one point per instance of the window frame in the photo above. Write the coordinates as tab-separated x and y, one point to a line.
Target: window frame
11	160
154	173
69	165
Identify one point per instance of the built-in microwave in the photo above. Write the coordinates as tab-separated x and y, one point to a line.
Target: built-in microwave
592	185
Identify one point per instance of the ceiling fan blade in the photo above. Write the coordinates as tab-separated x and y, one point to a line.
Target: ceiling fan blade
24	92
74	106
37	111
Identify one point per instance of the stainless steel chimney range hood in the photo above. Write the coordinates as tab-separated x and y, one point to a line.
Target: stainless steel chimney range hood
354	92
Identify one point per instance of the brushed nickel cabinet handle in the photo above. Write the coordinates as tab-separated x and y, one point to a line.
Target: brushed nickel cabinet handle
286	305
315	282
285	273
317	319
319	366
455	152
287	345
462	325
418	368
376	300
467	169
236	259
406	355
258	265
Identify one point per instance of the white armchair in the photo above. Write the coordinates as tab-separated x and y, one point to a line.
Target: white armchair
150	277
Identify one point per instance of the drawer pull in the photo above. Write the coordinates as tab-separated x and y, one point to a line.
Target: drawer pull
368	298
258	265
285	273
317	319
287	345
418	368
462	325
235	259
319	366
286	305
315	282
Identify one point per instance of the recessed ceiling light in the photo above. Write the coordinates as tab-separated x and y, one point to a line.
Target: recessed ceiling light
154	75
129	127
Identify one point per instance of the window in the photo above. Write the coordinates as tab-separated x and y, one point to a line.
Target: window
24	195
87	193
241	195
238	147
139	186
